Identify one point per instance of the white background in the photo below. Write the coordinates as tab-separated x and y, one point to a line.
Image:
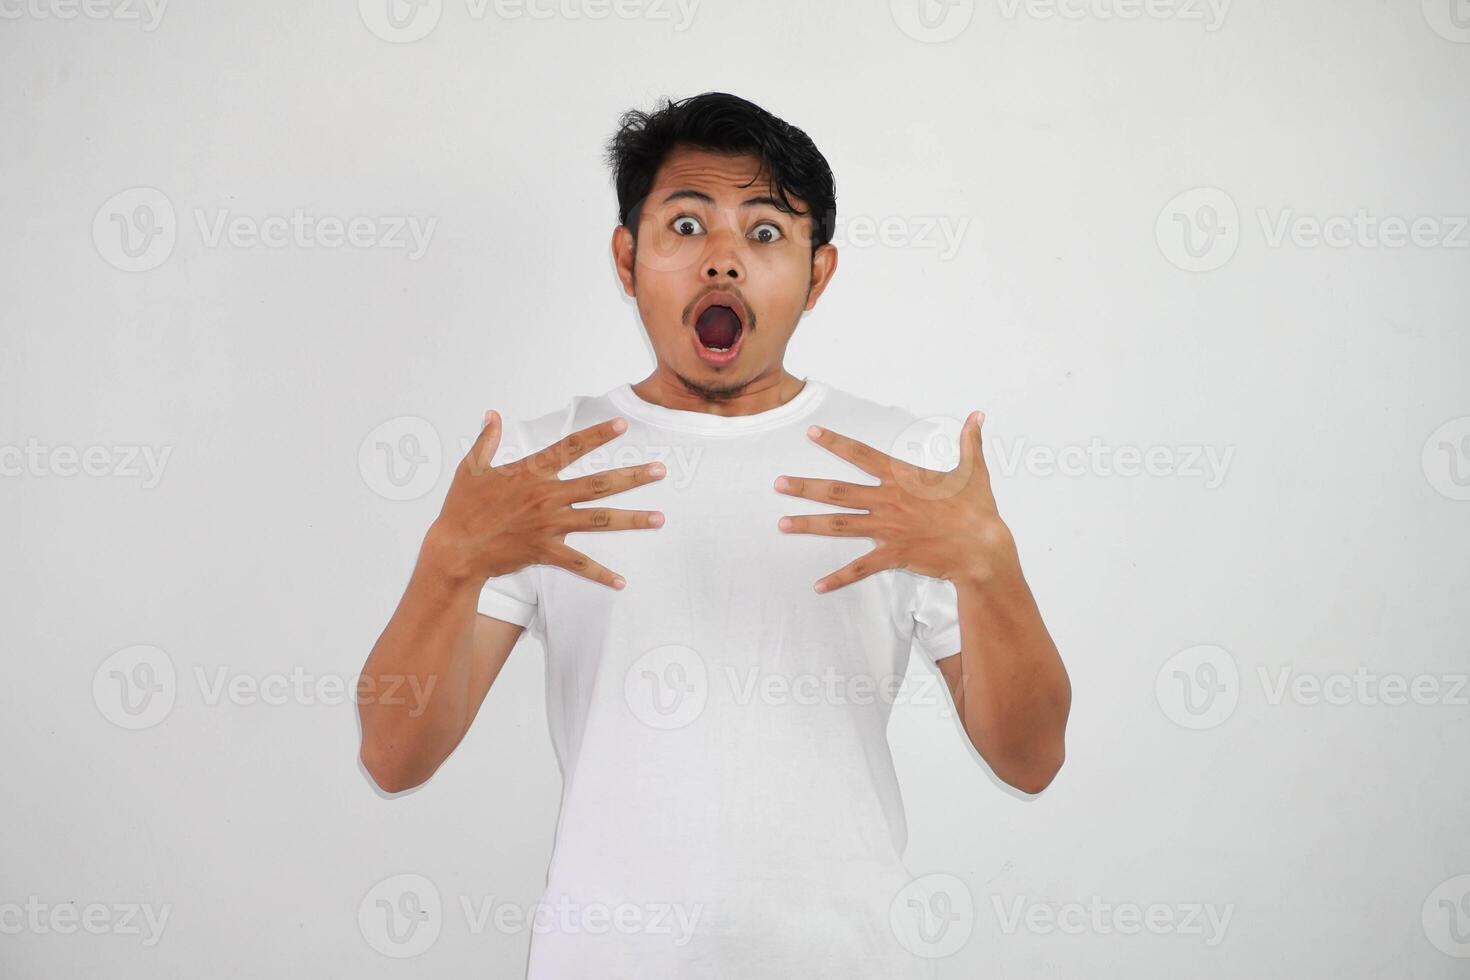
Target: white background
1069	309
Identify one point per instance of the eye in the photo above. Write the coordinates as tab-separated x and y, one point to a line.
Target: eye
685	220
775	234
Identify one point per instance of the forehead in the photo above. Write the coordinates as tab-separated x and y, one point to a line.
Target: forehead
721	175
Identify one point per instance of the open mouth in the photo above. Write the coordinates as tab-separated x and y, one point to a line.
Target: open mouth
719	327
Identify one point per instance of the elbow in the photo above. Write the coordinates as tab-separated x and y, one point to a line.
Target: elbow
399	758
1034	782
1033	775
385	772
1036	770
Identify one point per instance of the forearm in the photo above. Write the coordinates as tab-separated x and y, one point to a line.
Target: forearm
1015	690
414	690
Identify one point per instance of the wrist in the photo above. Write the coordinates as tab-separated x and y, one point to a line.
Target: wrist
991	560
444	556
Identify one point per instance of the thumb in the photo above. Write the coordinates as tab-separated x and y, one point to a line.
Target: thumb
970	438
483	451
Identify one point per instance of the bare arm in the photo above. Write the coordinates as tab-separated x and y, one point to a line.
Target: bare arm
1007	679
428	674
494	639
430	670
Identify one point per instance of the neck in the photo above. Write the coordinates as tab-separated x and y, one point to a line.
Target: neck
764	392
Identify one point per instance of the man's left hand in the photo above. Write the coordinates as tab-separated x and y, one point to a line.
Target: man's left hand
939	523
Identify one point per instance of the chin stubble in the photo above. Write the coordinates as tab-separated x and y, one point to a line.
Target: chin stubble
712	393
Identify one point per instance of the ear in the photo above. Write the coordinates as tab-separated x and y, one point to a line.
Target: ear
824	266
624	252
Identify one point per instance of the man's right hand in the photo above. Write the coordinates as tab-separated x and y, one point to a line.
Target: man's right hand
499	519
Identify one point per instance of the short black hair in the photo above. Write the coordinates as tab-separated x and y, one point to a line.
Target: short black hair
722	123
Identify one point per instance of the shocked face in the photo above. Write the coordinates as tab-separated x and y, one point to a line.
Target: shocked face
721	274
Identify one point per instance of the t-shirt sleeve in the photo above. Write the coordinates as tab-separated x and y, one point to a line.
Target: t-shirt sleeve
931	442
936	618
512	597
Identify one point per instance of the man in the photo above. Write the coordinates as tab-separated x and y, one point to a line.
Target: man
722	656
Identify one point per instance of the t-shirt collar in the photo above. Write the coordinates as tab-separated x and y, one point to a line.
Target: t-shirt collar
630	404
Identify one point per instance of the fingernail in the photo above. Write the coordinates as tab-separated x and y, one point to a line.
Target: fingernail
814	431
821	586
657	469
620	424
655	519
619	582
784	523
782	483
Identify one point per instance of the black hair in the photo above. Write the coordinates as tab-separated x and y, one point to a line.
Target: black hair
721	123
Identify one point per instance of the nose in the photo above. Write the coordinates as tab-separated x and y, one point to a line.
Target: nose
723	261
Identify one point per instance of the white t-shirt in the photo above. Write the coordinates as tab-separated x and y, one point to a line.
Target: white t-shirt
730	809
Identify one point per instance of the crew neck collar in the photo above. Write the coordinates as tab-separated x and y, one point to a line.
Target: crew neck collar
631	404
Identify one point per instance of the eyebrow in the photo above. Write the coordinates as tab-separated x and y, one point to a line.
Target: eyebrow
750	202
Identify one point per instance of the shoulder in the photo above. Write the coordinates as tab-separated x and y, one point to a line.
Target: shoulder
526	435
893	429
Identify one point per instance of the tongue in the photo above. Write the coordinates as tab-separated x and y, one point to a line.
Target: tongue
718	326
